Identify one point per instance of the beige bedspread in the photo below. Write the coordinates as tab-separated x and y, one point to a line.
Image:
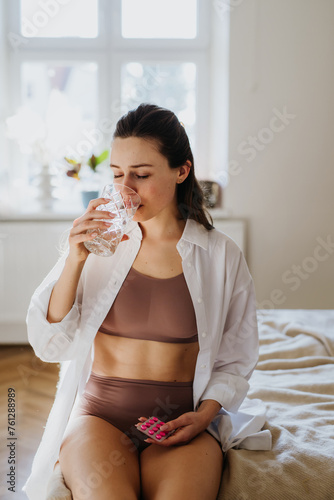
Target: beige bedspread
295	378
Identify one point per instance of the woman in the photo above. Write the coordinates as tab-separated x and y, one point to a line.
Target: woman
166	327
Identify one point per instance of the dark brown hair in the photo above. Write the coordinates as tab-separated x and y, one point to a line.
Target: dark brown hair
149	121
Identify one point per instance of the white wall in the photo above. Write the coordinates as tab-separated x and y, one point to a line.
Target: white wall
282	56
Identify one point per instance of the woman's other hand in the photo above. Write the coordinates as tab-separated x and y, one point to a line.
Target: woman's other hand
91	219
186	427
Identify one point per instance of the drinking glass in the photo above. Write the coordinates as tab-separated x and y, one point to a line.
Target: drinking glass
123	204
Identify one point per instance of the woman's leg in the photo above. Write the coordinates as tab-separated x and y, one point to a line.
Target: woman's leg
180	472
98	461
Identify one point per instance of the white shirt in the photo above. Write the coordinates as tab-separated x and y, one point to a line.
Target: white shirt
223	295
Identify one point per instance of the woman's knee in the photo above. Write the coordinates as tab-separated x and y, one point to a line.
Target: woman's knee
98	461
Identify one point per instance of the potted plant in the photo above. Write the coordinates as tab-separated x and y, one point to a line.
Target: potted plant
90	176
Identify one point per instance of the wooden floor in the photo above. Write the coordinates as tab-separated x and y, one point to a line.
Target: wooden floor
35	387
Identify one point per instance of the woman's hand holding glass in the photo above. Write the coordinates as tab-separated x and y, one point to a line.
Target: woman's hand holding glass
92	219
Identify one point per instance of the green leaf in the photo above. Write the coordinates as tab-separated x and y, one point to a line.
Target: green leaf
102	157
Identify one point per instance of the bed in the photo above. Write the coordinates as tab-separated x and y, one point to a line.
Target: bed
295	379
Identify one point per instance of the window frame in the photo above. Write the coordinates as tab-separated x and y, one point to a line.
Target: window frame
112	37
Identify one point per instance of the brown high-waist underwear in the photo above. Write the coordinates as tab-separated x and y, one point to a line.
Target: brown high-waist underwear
121	401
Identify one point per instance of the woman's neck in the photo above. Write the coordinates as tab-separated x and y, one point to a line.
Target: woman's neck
162	228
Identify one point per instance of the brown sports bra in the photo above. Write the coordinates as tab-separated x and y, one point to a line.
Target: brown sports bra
150	308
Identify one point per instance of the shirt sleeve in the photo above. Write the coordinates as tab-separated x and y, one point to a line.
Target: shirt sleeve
238	348
53	342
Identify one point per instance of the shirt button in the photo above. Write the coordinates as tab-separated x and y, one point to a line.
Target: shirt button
203	366
204	334
199	300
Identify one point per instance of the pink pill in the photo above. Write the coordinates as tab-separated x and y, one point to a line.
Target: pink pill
151	421
151	432
143	427
155	419
155	429
158	436
162	433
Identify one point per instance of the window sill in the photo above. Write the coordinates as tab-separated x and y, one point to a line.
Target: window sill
70	215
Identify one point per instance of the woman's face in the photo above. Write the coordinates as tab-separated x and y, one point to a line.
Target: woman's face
138	164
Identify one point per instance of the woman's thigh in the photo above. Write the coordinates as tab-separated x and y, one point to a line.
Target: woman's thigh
99	461
189	471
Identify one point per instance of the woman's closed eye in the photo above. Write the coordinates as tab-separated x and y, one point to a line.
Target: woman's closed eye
138	176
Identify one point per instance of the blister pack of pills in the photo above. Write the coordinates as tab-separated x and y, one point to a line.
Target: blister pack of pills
151	427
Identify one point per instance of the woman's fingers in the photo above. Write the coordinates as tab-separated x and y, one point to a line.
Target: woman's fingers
91	210
90	224
83	224
142	419
178	422
82	237
96	202
93	214
179	437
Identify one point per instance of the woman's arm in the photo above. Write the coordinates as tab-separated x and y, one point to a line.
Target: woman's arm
237	353
54	311
208	409
64	292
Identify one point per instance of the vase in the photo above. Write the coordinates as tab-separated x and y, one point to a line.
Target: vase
43	182
86	196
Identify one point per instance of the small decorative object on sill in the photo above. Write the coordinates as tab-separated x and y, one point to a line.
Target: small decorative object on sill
212	193
43	182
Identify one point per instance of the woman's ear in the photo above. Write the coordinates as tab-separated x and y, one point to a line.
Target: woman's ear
183	172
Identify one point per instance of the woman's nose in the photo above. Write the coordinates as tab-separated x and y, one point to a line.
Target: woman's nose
128	181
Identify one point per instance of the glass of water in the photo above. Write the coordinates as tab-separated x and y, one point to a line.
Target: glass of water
123	203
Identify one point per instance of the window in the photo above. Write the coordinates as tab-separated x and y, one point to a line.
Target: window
80	64
159	19
59	19
172	85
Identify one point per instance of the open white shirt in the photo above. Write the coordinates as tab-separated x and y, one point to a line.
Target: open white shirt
223	296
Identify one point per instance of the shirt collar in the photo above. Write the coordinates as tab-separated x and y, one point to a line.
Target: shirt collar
193	232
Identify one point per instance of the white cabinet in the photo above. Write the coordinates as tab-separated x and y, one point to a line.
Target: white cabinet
234	228
28	251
